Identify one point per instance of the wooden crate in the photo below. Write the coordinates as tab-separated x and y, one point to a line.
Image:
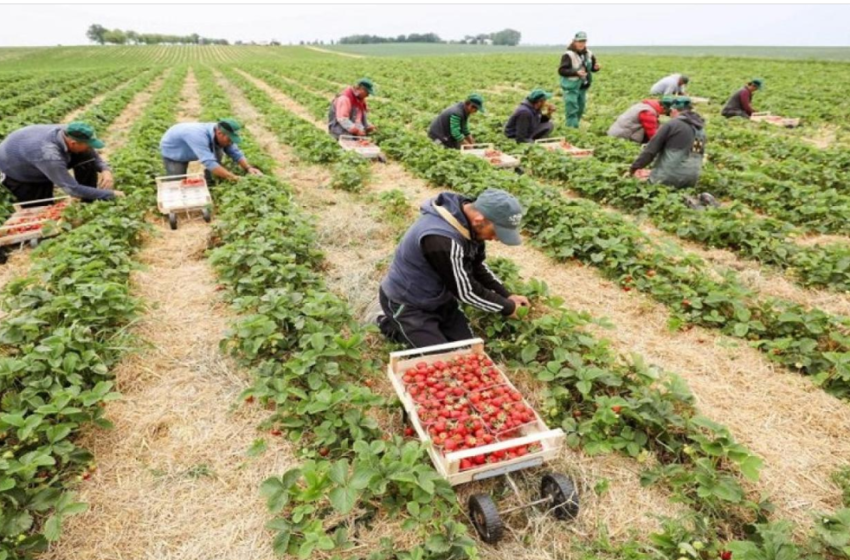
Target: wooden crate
173	194
355	144
500	159
558	145
31	212
786	122
537	432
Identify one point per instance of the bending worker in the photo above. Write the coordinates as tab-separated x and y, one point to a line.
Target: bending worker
674	84
576	70
678	149
440	264
348	113
740	104
36	158
451	127
640	121
531	120
205	142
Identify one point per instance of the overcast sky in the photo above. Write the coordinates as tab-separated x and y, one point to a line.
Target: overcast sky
819	25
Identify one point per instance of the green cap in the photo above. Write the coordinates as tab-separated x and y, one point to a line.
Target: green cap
758	82
580	36
538	94
231	129
366	84
682	102
667	101
685	79
477	100
504	211
83	132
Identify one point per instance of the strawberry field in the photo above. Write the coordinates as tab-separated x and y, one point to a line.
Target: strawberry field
214	392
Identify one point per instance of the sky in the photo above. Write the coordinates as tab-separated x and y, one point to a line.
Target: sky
606	25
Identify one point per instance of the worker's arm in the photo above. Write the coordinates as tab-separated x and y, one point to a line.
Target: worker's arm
54	168
594	66
566	68
342	106
208	159
745	101
523	128
447	258
485	276
651	150
649	122
234	153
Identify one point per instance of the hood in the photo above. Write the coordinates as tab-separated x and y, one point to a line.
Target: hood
655	104
451	202
692	118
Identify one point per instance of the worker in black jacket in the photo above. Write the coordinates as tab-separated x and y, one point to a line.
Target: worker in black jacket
531	120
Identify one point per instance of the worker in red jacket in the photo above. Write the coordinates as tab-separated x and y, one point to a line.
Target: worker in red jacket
640	121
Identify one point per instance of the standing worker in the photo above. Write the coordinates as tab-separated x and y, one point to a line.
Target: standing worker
36	158
451	127
740	104
440	263
674	84
640	121
348	113
678	150
529	122
207	143
577	67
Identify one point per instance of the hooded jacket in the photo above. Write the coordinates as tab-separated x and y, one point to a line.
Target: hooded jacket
439	261
678	150
524	121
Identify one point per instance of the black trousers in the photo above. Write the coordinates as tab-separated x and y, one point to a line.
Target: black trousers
85	173
419	328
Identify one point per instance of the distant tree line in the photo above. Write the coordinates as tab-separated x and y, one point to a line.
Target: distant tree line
507	37
101	35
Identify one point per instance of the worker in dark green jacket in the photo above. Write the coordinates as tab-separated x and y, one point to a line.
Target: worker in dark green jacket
451	127
576	70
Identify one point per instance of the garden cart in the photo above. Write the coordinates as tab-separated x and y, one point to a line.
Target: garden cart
478	393
183	193
29	224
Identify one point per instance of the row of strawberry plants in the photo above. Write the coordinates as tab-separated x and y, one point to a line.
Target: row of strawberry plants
73	95
312	365
35	89
806	340
65	328
605	407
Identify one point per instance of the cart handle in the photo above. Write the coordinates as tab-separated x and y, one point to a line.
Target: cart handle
762	114
436	348
508	444
17	204
550	140
476	146
355	138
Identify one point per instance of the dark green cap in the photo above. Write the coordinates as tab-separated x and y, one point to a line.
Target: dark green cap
668	101
580	36
231	129
504	211
538	94
685	79
682	102
477	100
83	132
366	84
758	82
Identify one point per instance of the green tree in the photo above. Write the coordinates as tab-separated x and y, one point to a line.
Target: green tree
96	33
508	37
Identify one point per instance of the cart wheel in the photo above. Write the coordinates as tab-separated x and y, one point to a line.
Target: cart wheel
4	255
34	243
207	215
561	491
172	220
485	517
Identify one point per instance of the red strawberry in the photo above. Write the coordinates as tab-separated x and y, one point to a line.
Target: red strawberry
726	555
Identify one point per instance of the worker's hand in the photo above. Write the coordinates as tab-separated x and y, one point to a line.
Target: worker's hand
520	301
118	194
370	129
596	67
632	172
106	180
358	132
254	171
582	73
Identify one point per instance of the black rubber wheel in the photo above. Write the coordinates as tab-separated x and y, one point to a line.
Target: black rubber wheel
485	518
562	493
207	215
172	220
4	255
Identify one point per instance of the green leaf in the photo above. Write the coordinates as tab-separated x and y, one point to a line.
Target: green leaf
53	528
281	542
750	467
438	544
529	353
339	472
343	499
257	448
